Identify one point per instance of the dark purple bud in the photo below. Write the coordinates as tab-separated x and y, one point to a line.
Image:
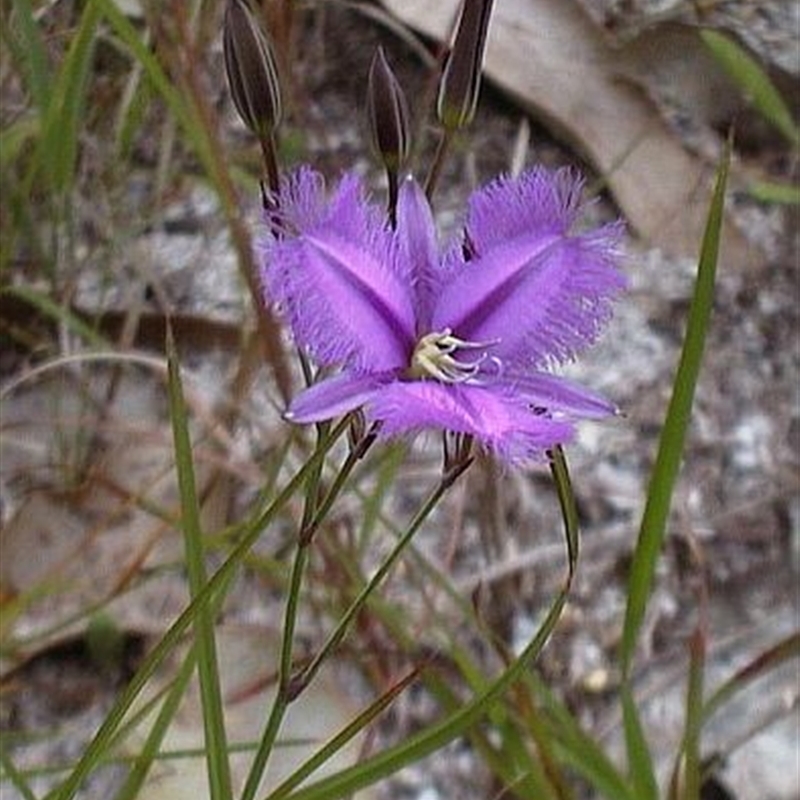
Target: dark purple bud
461	78
388	113
250	66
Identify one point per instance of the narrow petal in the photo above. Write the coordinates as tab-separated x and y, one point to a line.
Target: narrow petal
334	397
537	202
541	298
417	248
326	268
499	421
560	396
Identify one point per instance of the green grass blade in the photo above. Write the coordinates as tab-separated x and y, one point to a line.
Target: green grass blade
130	790
694	718
777	193
579	750
219	773
130	39
94	752
16	778
436	736
346	735
58	147
15	137
673	435
640	762
754	83
45	305
30	54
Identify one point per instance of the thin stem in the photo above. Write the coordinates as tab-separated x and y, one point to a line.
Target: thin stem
213	588
281	702
391	176
357	452
438	161
270	162
306	675
313	513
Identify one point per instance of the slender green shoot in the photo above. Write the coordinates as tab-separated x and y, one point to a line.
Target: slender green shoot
166	714
676	425
99	745
219	772
754	82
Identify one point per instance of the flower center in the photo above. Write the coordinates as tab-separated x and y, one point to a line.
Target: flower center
435	357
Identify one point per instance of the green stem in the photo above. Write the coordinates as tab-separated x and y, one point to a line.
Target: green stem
101	742
270	162
438	161
306	675
313	513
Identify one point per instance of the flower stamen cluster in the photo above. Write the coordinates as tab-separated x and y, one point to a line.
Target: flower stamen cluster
433	358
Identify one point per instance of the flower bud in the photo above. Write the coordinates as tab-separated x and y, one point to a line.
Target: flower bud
388	113
459	85
250	66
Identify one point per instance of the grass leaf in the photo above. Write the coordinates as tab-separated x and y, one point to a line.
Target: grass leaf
30	53
16	778
768	660
676	424
219	773
640	761
58	146
330	748
754	82
778	193
94	752
436	736
137	775
579	750
693	722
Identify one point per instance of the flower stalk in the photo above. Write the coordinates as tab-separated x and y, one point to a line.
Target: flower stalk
304	677
387	110
460	82
315	510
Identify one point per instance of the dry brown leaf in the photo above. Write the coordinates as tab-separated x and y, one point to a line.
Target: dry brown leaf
549	56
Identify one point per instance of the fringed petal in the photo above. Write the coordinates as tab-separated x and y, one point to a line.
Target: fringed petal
417	247
559	396
334	397
539	202
540	298
325	266
499	421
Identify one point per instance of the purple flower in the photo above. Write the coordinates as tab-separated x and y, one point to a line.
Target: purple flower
459	341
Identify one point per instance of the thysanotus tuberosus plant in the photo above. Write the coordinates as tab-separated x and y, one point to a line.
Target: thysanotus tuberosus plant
395	334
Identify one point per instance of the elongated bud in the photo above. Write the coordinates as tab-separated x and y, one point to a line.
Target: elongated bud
461	78
388	113
250	66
